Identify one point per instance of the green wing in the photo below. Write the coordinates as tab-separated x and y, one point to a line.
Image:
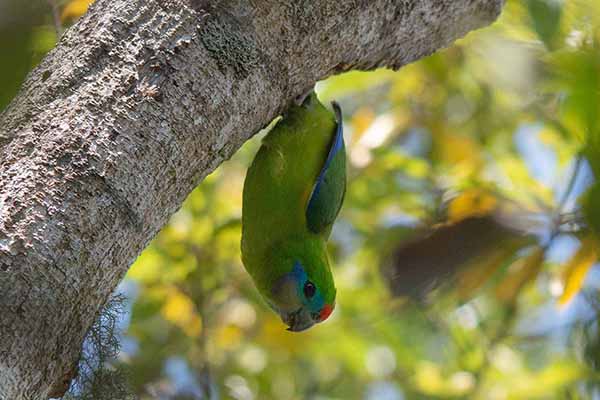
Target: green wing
330	187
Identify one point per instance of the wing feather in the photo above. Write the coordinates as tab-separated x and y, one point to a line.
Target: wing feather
327	196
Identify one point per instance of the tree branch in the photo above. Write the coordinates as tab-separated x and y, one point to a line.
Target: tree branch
138	102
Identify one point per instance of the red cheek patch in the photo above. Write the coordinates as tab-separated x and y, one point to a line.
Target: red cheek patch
325	312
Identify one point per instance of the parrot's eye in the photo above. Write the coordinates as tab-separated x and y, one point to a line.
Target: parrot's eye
309	289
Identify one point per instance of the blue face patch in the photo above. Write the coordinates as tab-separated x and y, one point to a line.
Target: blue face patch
307	291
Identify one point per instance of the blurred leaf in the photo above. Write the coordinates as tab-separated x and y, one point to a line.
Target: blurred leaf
473	202
457	150
43	40
354	81
408	84
481	269
547	382
361	120
590	203
559	140
228	337
577	267
13	71
431	260
273	334
18	42
545	15
429	380
75	9
519	274
147	267
577	74
179	309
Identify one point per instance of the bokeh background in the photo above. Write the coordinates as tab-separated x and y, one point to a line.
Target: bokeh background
465	253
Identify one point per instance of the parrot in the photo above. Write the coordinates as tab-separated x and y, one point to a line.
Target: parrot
293	192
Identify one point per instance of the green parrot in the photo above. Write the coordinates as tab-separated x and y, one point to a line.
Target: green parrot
293	192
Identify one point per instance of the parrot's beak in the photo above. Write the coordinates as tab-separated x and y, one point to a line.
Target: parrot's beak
298	320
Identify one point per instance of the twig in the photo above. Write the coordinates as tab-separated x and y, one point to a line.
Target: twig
56	17
567	192
558	213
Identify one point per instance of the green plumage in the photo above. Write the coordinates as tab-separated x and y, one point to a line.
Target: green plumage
277	190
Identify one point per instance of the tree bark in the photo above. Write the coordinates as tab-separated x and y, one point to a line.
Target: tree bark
137	103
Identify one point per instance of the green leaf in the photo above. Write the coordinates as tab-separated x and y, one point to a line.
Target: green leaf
545	15
18	44
591	207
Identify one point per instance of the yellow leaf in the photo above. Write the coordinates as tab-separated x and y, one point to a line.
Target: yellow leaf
519	274
147	268
459	151
473	202
274	335
408	84
75	9
181	311
577	268
361	121
229	336
428	378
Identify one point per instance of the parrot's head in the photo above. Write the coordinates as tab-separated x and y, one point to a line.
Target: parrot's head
305	295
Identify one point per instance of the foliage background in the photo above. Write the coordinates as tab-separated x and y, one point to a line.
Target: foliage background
503	126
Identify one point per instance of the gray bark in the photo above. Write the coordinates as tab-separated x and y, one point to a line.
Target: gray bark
137	103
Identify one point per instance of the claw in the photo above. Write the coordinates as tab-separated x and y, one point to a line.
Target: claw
299	100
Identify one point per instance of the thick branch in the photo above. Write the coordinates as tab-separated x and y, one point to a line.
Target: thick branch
138	102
